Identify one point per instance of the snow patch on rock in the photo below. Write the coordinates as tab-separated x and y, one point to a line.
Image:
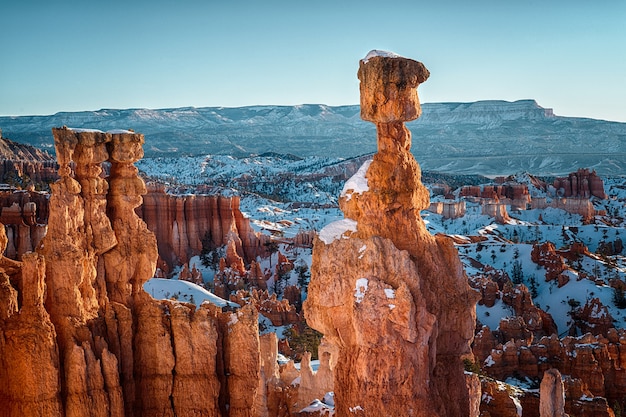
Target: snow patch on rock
357	184
335	230
360	289
378	52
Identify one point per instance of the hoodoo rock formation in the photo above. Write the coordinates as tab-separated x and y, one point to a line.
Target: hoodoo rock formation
79	336
581	183
390	296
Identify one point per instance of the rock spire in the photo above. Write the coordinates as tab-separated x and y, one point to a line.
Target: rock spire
390	296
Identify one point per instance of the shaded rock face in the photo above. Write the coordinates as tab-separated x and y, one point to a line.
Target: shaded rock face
181	222
391	297
19	161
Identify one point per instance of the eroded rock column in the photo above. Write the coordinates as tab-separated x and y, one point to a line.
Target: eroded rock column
133	261
552	395
393	298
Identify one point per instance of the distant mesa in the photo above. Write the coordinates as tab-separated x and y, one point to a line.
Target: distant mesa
491	137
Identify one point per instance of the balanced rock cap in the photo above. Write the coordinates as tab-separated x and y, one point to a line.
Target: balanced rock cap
389	87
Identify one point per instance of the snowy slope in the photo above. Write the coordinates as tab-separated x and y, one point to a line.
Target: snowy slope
183	291
283	195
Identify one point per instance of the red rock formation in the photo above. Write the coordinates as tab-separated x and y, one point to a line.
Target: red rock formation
279	312
498	400
581	183
580	402
181	222
24	214
388	293
596	360
513	194
545	255
594	317
535	320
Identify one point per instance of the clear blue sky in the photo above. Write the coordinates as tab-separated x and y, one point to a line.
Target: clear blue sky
84	55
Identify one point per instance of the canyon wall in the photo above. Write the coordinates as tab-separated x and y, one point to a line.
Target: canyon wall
79	332
182	222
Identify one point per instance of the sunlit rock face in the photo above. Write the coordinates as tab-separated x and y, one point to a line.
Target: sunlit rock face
78	334
393	298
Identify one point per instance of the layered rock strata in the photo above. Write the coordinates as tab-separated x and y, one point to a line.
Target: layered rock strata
390	296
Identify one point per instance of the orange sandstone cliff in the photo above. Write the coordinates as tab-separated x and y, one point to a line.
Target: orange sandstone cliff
390	296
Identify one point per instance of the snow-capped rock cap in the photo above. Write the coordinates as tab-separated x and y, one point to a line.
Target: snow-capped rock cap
379	52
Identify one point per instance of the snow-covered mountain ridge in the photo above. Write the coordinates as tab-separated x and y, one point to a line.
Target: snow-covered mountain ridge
484	137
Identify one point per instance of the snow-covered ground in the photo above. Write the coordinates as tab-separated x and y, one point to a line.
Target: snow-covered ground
285	195
186	291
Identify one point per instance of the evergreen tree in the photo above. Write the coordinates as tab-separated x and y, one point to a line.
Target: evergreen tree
618	298
516	273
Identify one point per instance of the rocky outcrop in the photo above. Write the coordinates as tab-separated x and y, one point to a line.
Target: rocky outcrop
594	317
513	194
24	215
545	255
496	210
582	183
596	360
383	290
448	209
552	395
24	165
279	312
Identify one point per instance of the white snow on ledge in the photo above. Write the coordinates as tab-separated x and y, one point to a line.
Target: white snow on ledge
377	52
335	230
160	289
112	132
357	184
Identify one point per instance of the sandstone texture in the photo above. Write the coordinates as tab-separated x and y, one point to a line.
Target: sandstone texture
552	396
80	337
391	297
